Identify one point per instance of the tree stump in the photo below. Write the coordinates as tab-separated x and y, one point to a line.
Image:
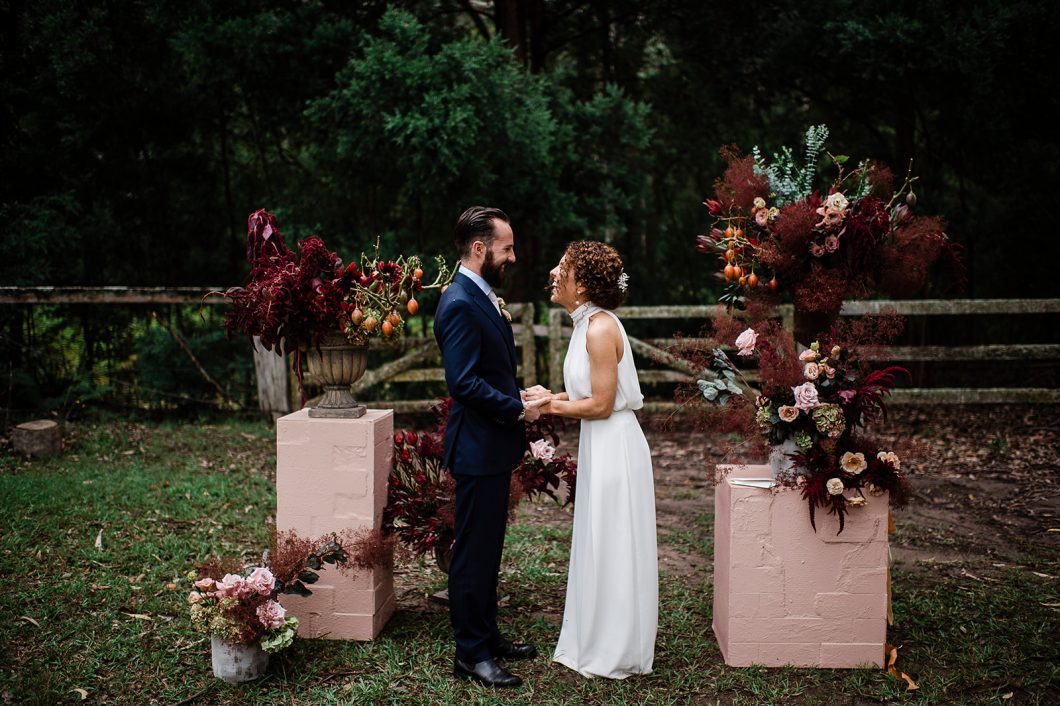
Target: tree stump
39	438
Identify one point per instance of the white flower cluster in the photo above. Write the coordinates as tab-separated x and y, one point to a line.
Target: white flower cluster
623	281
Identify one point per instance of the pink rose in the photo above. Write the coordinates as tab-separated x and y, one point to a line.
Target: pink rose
762	217
542	450
205	584
806	396
812	371
847	395
816	250
271	614
808	354
831	243
788	413
837	201
746	342
261	581
829	371
230	585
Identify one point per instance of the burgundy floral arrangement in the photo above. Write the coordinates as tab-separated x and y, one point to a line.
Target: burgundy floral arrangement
294	301
813	409
421	493
774	232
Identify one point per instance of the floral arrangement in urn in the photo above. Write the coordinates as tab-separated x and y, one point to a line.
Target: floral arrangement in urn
774	232
421	493
812	410
293	302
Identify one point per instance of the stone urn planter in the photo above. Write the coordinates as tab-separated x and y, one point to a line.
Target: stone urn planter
337	364
237	663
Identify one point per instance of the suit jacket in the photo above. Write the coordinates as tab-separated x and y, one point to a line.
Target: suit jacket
484	435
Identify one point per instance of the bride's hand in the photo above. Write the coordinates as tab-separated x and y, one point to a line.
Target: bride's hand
536	392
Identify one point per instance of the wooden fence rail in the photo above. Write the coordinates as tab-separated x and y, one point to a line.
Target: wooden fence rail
418	358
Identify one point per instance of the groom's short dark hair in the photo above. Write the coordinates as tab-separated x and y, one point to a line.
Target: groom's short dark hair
476	223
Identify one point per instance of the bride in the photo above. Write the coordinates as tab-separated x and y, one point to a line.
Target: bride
612	608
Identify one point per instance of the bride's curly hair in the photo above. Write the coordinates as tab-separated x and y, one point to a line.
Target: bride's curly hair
597	267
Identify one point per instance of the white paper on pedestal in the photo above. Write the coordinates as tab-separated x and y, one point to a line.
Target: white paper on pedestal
763	483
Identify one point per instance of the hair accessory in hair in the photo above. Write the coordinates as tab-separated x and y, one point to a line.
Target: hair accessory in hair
623	281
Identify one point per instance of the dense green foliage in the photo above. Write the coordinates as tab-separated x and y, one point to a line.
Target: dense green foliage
137	136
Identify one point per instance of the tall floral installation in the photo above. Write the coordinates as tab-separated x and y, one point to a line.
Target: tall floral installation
294	301
777	236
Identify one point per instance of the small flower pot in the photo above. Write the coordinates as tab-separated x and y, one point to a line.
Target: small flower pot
237	663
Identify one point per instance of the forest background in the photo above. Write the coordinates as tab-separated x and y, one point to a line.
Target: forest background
137	136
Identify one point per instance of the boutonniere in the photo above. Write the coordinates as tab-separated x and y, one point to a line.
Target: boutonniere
504	312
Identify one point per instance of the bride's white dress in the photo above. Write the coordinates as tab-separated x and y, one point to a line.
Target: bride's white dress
612	610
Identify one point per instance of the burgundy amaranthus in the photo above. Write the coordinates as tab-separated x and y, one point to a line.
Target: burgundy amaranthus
289	302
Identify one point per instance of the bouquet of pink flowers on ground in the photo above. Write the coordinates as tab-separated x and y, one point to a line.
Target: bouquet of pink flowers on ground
814	408
243	609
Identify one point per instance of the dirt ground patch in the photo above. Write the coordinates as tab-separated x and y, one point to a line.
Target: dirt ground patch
986	481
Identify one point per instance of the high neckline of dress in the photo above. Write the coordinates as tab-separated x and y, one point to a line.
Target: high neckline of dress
583	312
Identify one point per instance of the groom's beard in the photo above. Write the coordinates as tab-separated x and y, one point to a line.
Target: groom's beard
493	272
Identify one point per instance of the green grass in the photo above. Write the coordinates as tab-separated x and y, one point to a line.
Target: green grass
168	496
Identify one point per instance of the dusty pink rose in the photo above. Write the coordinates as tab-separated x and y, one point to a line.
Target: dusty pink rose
847	395
195	597
806	396
811	371
836	200
206	584
230	585
788	413
762	217
834	486
746	342
816	250
831	243
808	354
828	370
261	581
542	450
271	614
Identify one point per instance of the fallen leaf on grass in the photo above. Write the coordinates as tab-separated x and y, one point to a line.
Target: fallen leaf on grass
892	656
81	692
1043	576
1008	695
1051	605
29	620
99	540
138	616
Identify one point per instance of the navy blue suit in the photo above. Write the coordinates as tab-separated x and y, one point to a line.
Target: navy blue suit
484	441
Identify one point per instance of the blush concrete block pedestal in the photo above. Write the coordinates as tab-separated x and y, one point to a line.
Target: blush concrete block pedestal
331	475
784	595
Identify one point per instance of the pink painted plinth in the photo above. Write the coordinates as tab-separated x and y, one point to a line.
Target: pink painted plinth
331	475
784	595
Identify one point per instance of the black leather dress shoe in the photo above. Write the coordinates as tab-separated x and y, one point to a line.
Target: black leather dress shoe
513	650
486	672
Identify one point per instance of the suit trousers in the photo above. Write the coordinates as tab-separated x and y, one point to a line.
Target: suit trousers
481	516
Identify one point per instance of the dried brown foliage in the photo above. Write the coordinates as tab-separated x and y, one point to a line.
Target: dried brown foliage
366	548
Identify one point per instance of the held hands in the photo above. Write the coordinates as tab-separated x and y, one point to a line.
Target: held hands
533	408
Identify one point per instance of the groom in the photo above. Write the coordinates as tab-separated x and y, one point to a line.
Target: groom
484	439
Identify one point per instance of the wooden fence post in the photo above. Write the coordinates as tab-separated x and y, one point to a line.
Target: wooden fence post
555	349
